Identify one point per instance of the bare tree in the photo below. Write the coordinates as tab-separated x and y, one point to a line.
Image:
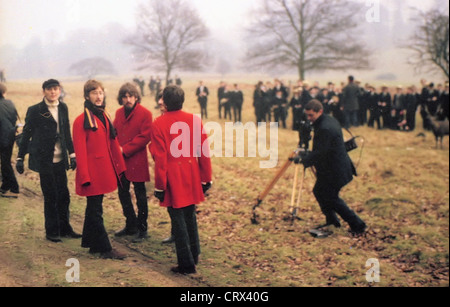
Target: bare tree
430	43
93	66
169	36
310	35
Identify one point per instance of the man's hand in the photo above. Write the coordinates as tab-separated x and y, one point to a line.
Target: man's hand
300	156
160	195
19	166
73	164
206	187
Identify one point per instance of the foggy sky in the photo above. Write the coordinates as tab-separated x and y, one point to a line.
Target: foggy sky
53	22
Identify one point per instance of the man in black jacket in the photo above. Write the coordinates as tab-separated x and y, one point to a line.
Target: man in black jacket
202	93
8	119
47	137
350	103
334	168
237	101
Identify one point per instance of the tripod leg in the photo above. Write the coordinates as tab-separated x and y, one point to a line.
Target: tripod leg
270	186
300	193
294	187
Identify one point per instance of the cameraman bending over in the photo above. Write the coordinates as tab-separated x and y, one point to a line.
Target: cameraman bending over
334	168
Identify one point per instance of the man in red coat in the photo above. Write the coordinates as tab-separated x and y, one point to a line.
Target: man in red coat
100	164
133	124
182	173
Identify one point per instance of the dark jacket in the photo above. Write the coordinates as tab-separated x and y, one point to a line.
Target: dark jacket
202	98
351	93
329	156
40	135
8	119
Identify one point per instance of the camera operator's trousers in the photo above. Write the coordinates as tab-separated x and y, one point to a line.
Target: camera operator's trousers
331	204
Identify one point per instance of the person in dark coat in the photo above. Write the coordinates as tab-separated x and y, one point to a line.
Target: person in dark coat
47	137
350	103
374	111
398	110
297	109
432	99
8	120
279	105
220	96
237	101
411	104
334	168
443	110
257	101
133	123
202	93
384	105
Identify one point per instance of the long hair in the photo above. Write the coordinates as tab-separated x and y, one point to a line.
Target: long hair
130	89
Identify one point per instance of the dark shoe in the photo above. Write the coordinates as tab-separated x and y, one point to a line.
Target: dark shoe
184	271
168	240
358	231
113	254
53	239
72	235
126	232
141	236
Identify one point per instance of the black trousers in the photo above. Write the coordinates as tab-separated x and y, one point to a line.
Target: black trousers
187	242
204	109
220	110
56	200
374	118
9	181
331	206
134	221
94	232
280	116
227	108
237	110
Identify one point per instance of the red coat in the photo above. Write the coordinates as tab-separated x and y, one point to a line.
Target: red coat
180	174
133	134
99	159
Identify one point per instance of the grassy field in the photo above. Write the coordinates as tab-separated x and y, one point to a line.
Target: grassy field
402	193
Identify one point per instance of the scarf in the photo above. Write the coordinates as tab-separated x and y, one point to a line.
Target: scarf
90	110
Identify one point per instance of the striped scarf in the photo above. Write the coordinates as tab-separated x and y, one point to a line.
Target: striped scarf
89	121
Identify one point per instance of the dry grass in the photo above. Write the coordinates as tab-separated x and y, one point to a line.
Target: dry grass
401	192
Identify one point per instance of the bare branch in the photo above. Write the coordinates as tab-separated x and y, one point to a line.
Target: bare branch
309	35
429	45
170	35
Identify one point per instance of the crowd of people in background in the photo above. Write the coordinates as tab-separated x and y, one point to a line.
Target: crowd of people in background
352	104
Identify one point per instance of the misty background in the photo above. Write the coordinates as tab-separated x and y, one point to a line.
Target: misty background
43	39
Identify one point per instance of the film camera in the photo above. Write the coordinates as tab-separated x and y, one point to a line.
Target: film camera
304	131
